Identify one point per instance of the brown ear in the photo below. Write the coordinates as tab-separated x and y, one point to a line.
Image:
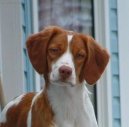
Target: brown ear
37	47
96	62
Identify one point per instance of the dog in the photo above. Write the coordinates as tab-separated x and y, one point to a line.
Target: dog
68	60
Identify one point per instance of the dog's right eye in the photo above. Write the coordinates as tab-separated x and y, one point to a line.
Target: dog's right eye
54	50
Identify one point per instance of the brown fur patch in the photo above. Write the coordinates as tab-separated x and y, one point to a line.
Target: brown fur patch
97	60
79	54
17	114
42	115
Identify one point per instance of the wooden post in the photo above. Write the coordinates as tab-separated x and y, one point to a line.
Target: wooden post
2	97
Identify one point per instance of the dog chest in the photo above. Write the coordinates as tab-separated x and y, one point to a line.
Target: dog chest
72	106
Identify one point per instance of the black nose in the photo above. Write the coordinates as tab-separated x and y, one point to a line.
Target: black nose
65	72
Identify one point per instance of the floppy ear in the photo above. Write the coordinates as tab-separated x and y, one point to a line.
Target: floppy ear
96	62
37	47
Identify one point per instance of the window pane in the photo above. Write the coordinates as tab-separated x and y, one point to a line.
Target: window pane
71	14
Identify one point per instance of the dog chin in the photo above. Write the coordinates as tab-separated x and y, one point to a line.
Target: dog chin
62	83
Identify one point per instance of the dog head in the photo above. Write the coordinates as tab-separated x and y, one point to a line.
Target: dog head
66	57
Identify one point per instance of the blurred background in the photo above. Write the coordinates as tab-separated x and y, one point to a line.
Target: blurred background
106	20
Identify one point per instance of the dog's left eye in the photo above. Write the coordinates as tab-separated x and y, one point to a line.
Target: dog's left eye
80	55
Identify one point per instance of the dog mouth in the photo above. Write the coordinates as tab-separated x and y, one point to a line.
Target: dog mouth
62	83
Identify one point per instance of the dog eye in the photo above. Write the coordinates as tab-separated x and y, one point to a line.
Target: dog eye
80	56
54	50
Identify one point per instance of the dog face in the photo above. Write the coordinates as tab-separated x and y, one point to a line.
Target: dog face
66	57
60	60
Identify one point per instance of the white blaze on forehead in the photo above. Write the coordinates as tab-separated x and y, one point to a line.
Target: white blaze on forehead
69	38
67	56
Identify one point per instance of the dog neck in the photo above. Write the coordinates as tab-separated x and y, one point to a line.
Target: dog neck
71	105
61	91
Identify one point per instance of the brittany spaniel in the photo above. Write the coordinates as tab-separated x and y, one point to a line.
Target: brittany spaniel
68	61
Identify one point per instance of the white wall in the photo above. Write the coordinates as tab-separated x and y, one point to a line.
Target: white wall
11	48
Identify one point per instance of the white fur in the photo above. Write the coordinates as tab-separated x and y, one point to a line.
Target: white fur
29	117
69	38
65	59
16	101
72	106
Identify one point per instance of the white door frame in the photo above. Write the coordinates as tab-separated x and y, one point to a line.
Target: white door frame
104	91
